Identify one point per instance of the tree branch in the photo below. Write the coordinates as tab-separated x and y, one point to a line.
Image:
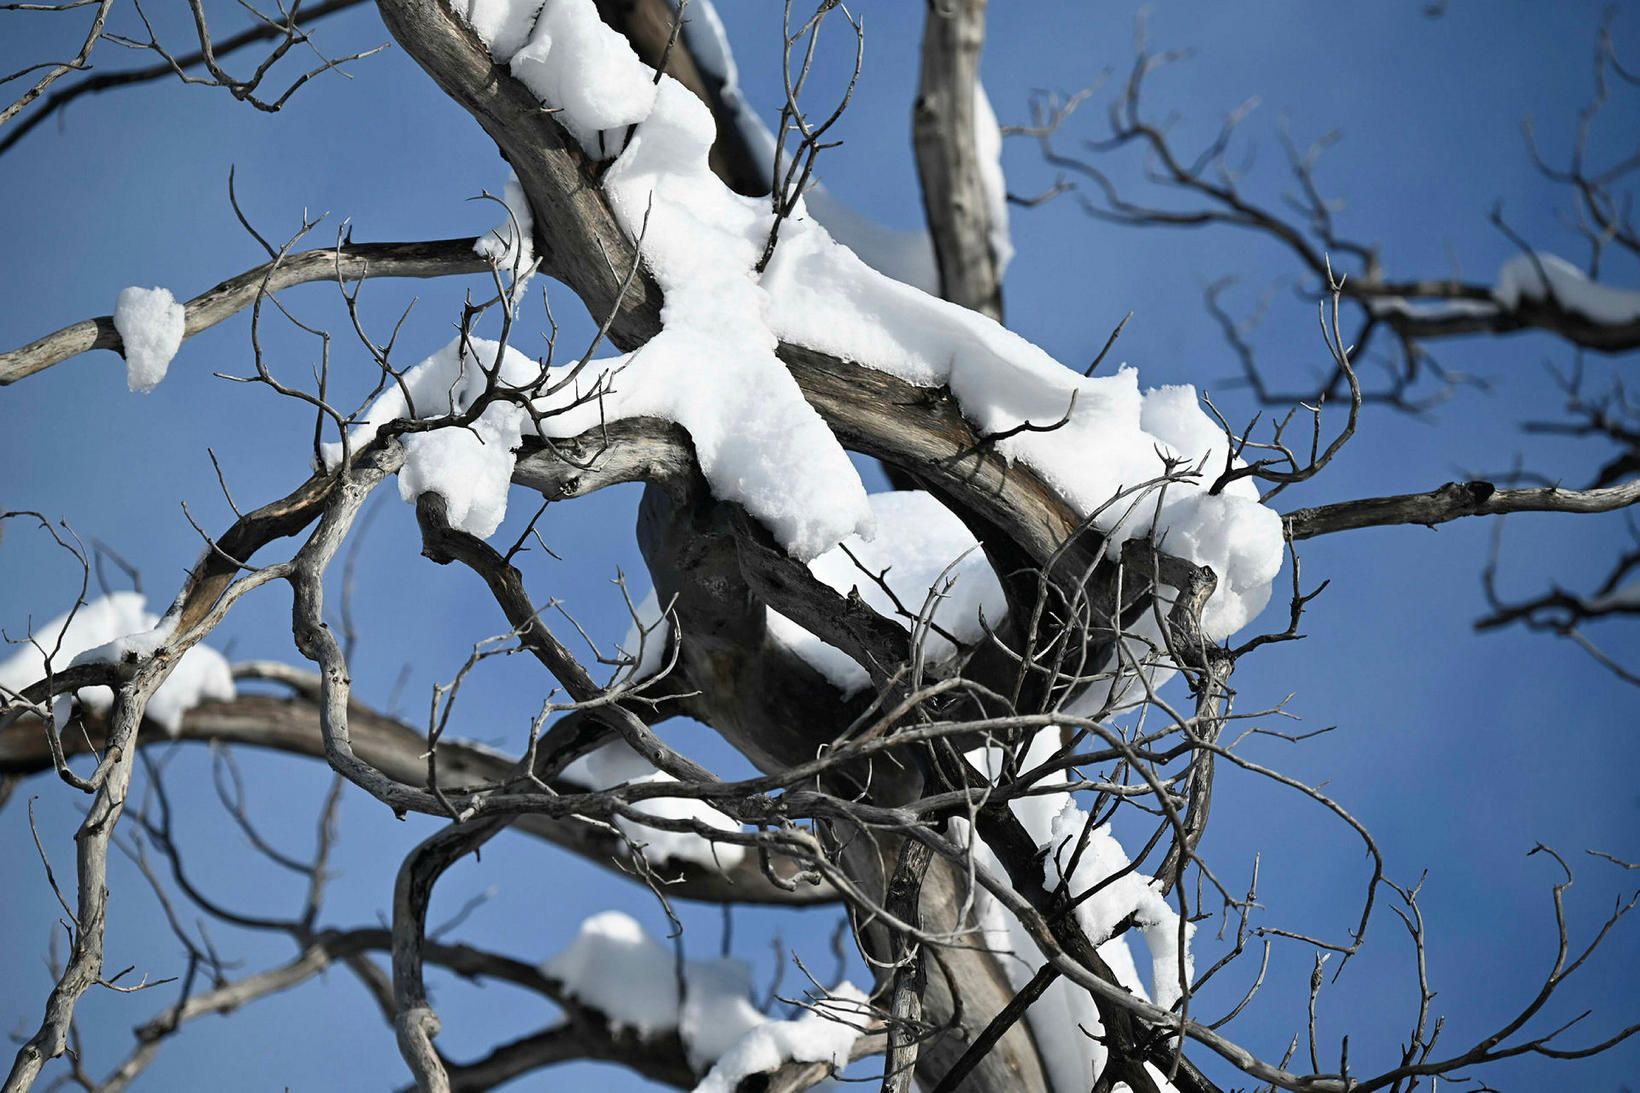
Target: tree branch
948	166
291	725
103	81
349	262
1451	502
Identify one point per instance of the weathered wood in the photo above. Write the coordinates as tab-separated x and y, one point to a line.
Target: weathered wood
639	449
647	25
961	980
1454	501
777	710
764	700
910	978
576	234
348	262
942	135
291	725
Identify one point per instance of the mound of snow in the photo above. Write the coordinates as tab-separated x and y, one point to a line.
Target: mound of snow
615	967
1524	277
151	325
617	764
107	631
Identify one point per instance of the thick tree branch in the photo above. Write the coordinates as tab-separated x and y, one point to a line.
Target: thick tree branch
1451	502
910	978
658	1058
291	725
948	167
586	1033
845	622
1527	314
414	1020
347	262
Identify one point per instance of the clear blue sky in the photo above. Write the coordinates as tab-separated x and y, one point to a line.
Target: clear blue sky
1459	750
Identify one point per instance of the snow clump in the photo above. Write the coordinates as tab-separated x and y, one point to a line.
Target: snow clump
575	62
151	325
615	967
1131	893
1065	1020
511	243
825	1034
1523	277
470	468
920	546
617	764
109	630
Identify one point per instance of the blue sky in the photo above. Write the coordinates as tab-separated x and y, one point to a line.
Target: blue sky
1461	751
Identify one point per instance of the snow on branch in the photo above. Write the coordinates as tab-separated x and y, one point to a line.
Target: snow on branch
1548	278
347	261
110	630
713	367
615	967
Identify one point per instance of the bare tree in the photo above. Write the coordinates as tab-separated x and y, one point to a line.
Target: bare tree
990	734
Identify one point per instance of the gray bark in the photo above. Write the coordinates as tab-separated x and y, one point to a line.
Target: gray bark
947	158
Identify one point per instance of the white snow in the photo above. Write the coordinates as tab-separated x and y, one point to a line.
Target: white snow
1037	812
614	966
504	25
1523	277
713	369
1064	1021
758	440
151	325
840	669
717	1009
988	145
1057	1019
827	299
1131	893
647	637
617	764
511	243
470	468
574	62
825	1034
922	545
905	255
108	630
1434	309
